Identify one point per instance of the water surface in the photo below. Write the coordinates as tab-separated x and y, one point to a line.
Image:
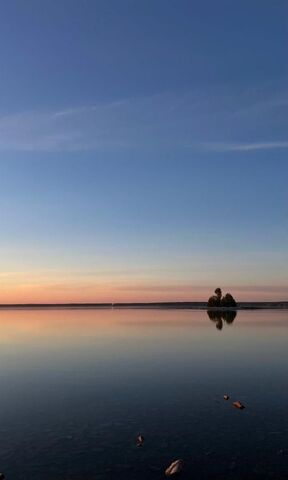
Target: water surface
77	387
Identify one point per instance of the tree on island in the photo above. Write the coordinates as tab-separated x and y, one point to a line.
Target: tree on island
219	301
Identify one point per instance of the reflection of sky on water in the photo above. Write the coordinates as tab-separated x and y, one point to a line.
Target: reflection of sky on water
76	381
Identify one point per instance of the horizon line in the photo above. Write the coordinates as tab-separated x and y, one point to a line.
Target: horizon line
178	304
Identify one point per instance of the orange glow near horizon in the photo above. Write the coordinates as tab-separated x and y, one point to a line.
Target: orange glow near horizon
109	292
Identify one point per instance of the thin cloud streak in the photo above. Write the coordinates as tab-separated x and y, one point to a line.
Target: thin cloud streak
91	108
246	147
162	121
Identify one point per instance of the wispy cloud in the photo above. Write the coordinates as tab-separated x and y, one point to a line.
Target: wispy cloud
157	122
246	147
72	129
88	109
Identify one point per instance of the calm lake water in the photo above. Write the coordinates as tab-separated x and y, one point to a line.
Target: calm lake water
77	387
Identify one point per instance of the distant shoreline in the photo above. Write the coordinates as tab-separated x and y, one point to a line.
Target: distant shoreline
148	305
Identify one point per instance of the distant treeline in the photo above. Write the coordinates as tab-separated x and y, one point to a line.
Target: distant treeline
159	305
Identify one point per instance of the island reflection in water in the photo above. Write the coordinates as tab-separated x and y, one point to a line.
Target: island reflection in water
220	316
78	386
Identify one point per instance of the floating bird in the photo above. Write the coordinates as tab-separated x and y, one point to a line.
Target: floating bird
238	405
175	468
139	441
226	397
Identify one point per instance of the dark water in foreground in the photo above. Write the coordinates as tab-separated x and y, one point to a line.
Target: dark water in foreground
77	387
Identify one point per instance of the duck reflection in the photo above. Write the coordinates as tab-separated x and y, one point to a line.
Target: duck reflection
221	316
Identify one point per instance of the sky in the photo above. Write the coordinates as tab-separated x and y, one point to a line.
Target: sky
143	150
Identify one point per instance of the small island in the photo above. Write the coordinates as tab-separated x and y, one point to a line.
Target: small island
219	301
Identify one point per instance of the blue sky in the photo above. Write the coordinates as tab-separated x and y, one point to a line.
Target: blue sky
143	150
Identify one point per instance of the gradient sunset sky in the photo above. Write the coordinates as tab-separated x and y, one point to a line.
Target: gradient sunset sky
143	150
